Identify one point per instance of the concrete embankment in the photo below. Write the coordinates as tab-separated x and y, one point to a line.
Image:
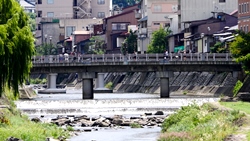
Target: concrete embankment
190	83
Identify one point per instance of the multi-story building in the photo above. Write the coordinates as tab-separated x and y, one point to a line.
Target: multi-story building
153	14
27	6
244	15
61	18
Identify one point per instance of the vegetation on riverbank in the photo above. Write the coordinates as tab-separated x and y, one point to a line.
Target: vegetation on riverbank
204	122
14	124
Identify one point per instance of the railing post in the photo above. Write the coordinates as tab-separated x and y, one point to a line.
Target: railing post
207	56
157	57
103	58
191	56
213	56
226	56
113	57
198	56
146	57
93	59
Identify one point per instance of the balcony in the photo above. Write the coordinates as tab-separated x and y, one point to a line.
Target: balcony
137	15
49	20
143	31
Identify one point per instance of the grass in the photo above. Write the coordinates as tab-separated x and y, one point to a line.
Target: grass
242	106
14	124
195	123
135	125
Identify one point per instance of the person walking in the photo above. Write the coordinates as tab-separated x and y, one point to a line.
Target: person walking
165	56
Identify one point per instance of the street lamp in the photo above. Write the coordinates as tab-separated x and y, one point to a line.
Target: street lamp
202	46
142	37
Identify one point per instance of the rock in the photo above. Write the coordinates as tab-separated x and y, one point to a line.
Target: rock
13	139
244	96
159	113
86	123
36	119
226	99
61	121
148	114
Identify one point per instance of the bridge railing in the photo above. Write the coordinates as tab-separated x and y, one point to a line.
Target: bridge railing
91	58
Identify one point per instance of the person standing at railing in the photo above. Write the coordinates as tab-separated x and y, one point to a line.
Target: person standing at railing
135	55
165	56
66	56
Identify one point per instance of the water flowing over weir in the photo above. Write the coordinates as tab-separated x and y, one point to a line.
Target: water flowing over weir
49	106
122	104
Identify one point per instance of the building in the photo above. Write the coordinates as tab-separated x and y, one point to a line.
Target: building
27	6
153	14
195	10
57	18
115	28
244	15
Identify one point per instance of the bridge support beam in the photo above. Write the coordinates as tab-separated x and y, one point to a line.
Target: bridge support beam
87	85
164	83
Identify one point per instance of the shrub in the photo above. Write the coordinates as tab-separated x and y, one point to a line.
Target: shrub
109	85
237	87
135	125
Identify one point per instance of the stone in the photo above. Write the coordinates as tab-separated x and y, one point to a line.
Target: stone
36	119
13	139
159	113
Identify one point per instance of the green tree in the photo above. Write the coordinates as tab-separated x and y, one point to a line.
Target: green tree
131	42
240	49
97	45
16	45
219	47
46	49
32	21
158	43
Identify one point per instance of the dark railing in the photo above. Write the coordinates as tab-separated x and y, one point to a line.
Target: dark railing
92	58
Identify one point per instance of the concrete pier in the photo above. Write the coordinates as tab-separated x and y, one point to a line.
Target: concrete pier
100	88
51	85
164	82
87	85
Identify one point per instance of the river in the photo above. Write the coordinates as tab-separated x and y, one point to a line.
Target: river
107	104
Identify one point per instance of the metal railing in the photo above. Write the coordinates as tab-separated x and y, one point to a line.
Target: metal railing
95	58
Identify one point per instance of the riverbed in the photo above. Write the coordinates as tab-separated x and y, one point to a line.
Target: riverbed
107	104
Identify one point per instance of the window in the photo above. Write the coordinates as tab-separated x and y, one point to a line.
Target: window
50	1
39	27
247	7
157	8
39	13
156	23
101	15
119	26
50	14
239	8
100	1
247	29
39	2
222	1
69	30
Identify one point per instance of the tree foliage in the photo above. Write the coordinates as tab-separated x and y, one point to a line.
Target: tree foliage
219	47
125	3
130	43
240	49
159	42
16	45
32	21
46	49
96	45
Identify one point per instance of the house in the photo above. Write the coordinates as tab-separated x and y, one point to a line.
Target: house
153	14
116	26
27	6
60	18
199	36
244	15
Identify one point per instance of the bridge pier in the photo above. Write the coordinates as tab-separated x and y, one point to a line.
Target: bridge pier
100	84
164	83
51	85
87	85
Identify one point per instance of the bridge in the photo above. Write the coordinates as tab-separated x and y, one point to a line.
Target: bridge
92	66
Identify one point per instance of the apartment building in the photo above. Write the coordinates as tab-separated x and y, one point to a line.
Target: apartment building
153	14
72	14
244	15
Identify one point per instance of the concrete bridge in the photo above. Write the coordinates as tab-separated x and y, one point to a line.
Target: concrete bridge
89	67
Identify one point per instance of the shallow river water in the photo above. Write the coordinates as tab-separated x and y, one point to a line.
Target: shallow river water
108	104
